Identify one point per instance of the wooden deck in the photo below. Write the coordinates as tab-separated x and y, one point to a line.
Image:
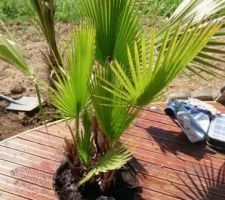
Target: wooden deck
168	166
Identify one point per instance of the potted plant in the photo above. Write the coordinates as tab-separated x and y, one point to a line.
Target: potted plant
112	69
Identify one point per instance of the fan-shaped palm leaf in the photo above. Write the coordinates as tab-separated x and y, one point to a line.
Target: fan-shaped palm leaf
195	11
113	117
116	26
71	94
149	74
112	160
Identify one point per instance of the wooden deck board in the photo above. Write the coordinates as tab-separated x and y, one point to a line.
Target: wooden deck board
168	166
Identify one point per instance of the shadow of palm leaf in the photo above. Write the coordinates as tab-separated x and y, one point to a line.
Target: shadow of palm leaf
177	143
209	183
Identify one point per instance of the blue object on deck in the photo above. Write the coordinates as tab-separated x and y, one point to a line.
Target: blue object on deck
193	120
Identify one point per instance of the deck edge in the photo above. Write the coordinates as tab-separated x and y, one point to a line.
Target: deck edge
31	130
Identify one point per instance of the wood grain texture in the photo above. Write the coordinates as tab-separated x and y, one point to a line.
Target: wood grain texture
167	165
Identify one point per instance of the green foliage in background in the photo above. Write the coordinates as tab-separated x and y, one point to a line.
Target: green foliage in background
9	10
67	10
160	7
19	11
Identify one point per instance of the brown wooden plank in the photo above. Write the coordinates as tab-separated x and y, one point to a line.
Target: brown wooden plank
147	124
181	179
7	196
22	188
26	174
155	195
177	165
154	147
174	139
28	160
156	117
56	130
35	149
41	138
178	191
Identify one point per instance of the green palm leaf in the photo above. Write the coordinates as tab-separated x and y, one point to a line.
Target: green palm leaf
116	26
71	93
112	160
113	113
10	53
196	11
151	72
84	145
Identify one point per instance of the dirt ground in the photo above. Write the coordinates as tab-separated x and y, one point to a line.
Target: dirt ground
14	84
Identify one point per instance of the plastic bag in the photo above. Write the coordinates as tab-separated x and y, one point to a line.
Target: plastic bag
193	120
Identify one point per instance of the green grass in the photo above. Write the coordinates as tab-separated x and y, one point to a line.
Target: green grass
12	11
157	8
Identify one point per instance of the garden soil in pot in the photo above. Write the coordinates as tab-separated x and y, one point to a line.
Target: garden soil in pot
126	187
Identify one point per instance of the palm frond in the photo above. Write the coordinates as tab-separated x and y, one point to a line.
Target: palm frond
150	74
200	11
195	11
113	113
10	53
116	26
45	12
71	93
84	145
112	160
197	8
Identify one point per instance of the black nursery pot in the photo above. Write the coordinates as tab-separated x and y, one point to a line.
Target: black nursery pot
126	187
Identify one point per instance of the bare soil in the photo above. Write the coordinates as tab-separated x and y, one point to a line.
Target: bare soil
194	85
14	84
